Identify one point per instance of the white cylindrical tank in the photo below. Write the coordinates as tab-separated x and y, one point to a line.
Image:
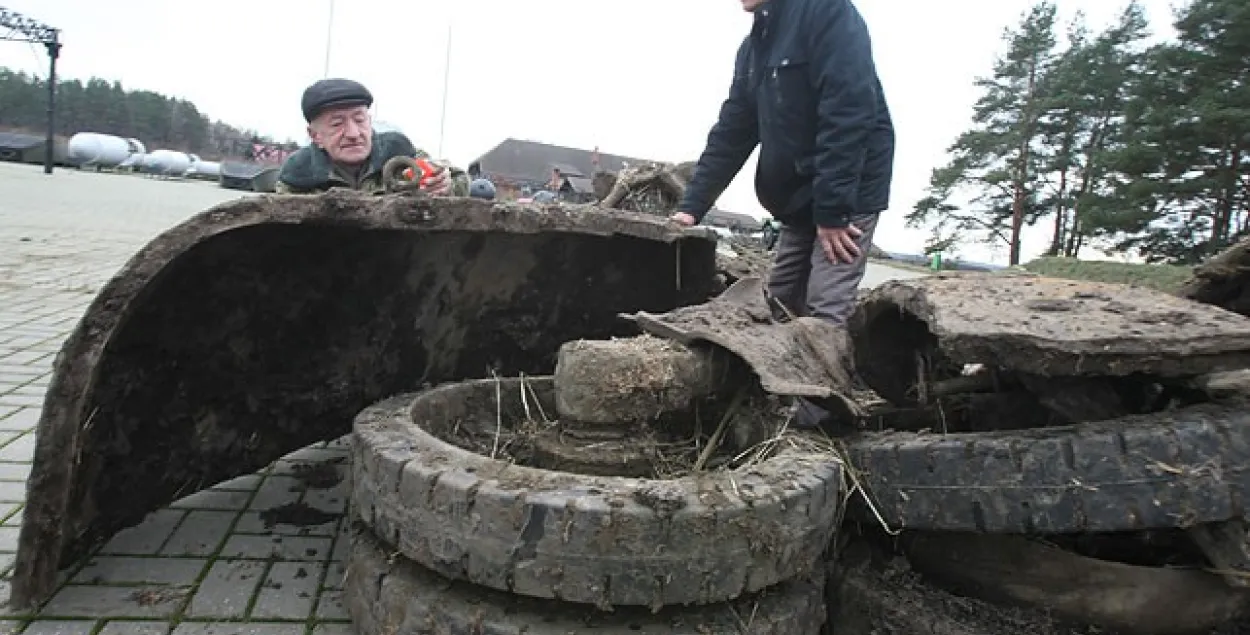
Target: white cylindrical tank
137	147
167	162
133	160
95	149
210	169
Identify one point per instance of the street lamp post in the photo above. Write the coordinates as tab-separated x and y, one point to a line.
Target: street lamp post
442	124
329	33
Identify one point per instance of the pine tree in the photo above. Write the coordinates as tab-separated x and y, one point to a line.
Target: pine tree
1084	125
1184	176
996	165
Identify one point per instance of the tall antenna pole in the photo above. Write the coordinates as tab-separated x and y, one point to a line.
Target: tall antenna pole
329	32
442	124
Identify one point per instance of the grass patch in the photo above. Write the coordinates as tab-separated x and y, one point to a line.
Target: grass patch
1167	278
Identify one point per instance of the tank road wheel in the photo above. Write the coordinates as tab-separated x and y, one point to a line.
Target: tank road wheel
386	594
603	540
1175	468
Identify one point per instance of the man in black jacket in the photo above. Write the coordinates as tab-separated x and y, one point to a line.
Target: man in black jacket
805	90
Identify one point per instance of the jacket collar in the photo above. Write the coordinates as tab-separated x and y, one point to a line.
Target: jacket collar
315	168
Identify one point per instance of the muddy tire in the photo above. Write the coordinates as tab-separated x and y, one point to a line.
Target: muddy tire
1175	468
389	595
608	541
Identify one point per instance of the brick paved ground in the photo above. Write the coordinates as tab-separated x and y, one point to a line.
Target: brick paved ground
207	565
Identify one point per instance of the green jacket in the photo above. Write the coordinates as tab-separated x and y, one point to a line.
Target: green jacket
310	170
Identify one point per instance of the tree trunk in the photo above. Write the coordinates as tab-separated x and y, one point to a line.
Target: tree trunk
1022	170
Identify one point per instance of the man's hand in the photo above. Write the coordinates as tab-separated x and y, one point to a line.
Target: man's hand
682	218
439	184
838	243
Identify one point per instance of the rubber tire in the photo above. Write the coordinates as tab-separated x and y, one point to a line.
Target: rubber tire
389	595
605	541
1170	469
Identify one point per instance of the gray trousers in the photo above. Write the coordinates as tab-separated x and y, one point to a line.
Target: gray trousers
808	284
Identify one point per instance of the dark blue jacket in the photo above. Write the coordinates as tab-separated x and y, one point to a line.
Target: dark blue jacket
805	90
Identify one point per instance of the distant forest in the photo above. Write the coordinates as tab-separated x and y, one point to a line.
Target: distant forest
97	105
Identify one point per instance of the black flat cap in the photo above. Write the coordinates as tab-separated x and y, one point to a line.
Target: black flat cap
329	93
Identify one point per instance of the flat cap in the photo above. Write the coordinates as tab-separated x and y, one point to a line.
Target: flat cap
330	93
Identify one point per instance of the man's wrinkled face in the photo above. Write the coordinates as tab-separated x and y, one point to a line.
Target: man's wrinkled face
752	5
346	134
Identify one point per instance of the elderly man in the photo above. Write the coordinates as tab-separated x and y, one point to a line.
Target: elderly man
805	90
346	151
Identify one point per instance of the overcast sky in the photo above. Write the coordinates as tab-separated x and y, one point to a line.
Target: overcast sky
640	78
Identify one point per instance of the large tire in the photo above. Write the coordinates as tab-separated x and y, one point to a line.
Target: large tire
387	595
1169	469
606	541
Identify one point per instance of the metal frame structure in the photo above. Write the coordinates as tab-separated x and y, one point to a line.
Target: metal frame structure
15	27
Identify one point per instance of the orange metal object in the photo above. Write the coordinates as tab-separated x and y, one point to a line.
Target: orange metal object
428	171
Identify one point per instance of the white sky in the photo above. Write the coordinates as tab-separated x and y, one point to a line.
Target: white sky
641	78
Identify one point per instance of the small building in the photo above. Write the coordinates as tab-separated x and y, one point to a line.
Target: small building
24	148
520	168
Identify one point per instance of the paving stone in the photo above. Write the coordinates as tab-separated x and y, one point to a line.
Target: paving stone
12	492
239	629
10	627
118	627
14	471
246	483
29	389
253	522
22	357
289	591
275	492
20	449
313	454
294	548
333	500
147	537
220	499
18	399
13	371
330	605
131	570
60	627
337	567
20	419
200	533
8	538
8	510
6	563
334	629
227	589
109	601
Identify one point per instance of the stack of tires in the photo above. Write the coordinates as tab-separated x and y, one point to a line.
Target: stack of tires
449	540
